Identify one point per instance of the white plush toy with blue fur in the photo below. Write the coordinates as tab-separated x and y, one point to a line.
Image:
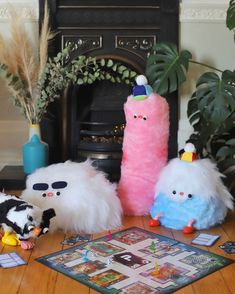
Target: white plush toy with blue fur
83	199
190	194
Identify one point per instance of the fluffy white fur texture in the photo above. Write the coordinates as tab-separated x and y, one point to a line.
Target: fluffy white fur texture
200	177
88	203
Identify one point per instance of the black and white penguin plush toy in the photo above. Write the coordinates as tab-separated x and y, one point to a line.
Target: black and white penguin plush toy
21	220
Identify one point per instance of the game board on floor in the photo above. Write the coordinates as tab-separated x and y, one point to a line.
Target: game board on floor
135	261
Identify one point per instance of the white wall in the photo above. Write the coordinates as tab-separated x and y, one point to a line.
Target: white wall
202	31
13	126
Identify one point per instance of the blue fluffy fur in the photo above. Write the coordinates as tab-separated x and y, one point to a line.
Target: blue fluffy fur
207	213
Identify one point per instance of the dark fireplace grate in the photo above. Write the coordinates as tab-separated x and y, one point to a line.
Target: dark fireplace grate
97	125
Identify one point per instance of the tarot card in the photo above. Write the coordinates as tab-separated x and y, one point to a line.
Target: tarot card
228	247
205	239
11	259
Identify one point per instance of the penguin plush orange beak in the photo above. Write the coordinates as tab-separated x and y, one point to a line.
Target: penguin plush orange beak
37	231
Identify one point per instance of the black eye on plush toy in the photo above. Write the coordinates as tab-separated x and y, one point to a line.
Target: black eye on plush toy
29	228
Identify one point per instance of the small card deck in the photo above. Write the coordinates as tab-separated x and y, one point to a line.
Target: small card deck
205	239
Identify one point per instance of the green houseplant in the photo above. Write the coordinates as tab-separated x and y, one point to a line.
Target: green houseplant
34	80
211	108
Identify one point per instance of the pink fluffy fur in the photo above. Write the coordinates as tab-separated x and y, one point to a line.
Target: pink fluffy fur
145	152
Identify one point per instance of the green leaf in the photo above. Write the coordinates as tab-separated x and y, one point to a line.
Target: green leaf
80	81
216	96
108	76
89	81
231	142
230	16
114	67
223	152
133	74
109	63
102	62
166	67
126	74
121	68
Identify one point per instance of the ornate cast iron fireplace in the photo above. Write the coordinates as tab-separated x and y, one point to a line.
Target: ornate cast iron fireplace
88	121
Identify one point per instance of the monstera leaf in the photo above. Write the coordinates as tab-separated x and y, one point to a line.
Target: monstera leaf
216	96
166	68
226	162
230	18
211	112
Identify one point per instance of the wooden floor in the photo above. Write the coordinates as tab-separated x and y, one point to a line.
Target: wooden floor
38	279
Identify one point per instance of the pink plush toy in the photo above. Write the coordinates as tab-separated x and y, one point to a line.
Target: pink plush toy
145	148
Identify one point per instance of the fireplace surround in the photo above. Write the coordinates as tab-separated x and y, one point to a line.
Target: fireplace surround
88	120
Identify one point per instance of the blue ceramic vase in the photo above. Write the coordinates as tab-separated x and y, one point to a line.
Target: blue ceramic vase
35	151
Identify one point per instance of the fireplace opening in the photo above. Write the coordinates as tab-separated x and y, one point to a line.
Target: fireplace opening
96	124
88	121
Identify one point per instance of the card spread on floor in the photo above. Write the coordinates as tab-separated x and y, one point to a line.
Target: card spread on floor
12	259
205	239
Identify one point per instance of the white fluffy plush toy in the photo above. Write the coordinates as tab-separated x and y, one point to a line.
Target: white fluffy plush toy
83	199
190	194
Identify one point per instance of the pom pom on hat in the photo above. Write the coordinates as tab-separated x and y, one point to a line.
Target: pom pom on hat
189	147
189	153
142	90
141	80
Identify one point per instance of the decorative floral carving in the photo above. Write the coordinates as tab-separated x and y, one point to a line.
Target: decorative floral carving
140	45
82	44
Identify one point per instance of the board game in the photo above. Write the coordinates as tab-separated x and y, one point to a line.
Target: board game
135	261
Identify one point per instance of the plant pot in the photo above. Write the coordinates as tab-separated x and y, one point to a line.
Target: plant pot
35	151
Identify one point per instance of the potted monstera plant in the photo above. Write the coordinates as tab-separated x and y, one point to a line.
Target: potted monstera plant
211	108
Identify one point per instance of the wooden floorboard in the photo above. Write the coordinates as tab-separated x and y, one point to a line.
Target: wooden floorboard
35	278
